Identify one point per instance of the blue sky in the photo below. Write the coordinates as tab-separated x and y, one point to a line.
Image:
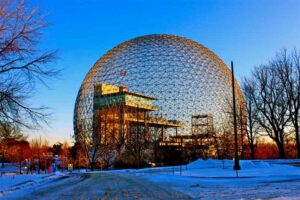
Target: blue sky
249	32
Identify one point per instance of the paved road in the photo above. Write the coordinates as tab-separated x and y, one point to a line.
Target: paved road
104	186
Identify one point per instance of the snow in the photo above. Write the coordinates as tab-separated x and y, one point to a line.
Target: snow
205	179
216	178
11	182
9	167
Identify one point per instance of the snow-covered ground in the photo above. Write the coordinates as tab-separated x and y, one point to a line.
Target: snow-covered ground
224	169
216	179
11	181
202	179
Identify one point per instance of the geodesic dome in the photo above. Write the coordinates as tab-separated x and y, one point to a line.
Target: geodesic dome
186	78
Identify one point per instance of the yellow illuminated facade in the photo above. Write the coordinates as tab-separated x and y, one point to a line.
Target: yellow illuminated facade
119	113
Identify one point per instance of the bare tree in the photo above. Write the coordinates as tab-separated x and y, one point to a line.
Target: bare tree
39	146
271	102
288	70
9	131
22	63
226	134
252	130
82	146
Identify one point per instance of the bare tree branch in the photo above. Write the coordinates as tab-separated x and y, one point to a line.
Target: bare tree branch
22	64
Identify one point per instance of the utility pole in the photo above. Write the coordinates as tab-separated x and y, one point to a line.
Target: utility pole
236	156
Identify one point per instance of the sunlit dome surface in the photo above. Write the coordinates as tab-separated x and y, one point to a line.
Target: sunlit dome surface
186	77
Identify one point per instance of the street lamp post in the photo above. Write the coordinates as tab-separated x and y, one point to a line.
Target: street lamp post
236	156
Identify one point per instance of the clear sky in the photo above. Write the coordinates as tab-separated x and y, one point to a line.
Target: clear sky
249	32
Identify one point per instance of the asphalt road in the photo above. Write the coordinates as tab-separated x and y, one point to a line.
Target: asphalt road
103	186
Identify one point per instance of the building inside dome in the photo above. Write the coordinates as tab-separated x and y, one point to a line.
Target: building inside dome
162	88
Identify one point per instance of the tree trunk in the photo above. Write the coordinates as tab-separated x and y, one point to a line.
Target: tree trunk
3	160
280	146
155	153
39	166
93	159
297	139
252	148
92	166
20	167
242	146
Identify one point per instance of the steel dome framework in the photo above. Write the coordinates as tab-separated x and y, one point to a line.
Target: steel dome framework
186	78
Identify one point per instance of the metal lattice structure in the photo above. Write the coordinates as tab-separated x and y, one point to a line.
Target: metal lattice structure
186	78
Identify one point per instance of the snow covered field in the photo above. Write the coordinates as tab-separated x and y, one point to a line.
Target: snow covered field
11	181
209	179
215	179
